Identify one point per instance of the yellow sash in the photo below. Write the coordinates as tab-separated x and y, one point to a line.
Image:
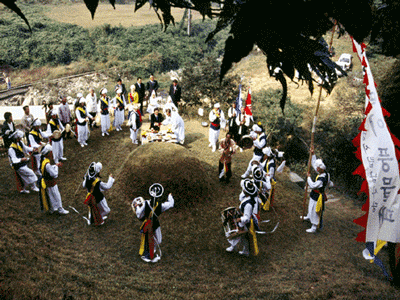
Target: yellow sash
92	188
54	124
253	238
143	235
318	208
104	99
119	100
43	186
16	146
82	110
34	132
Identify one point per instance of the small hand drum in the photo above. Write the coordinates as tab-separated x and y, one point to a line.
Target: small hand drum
231	228
246	142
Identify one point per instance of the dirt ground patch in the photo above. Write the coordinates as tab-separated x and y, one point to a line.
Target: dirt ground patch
53	257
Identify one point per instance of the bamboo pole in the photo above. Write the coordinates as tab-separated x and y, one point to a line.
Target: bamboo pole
313	130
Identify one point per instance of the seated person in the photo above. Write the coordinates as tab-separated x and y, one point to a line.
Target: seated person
156	119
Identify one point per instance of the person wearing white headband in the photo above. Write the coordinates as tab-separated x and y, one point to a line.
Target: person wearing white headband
217	121
35	139
119	114
259	142
49	196
98	206
57	143
26	178
104	112
82	122
317	195
248	199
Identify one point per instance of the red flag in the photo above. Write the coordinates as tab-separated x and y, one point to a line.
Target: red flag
247	109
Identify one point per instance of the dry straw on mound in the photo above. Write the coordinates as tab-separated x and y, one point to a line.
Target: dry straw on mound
171	165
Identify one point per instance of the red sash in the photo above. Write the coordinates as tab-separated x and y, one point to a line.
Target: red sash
94	210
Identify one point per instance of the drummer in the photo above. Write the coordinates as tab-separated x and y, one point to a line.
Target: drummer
259	142
248	199
26	178
36	137
54	129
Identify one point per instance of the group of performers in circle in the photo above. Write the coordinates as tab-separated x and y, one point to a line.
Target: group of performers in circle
257	184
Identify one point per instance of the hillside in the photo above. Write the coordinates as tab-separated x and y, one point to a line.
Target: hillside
60	257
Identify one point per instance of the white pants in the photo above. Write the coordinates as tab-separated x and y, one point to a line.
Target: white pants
103	207
180	134
28	177
134	134
58	150
312	214
213	136
235	242
105	123
82	133
54	197
119	118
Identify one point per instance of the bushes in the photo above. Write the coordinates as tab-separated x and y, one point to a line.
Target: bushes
147	48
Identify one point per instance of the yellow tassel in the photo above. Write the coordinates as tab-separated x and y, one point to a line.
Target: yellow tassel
253	238
44	196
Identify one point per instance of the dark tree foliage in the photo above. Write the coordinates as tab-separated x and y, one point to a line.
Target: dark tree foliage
287	31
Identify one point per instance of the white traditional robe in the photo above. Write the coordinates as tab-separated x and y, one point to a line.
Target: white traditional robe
53	192
58	146
140	210
91	103
135	131
83	130
27	175
177	126
35	145
119	115
153	103
213	135
103	205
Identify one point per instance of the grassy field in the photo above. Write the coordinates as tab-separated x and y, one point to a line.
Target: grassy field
123	15
59	257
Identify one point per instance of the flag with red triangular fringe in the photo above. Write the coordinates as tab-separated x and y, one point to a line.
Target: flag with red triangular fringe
248	110
380	170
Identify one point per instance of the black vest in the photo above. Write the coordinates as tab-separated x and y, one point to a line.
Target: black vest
19	154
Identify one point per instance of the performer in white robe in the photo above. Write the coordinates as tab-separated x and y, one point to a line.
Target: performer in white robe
98	206
92	106
119	115
134	123
317	196
56	143
248	199
177	125
18	161
104	112
82	122
36	137
149	212
217	119
259	142
50	198
170	104
153	103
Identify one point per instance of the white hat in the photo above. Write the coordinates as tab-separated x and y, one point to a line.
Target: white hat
216	105
79	95
54	112
119	91
98	166
267	151
258	173
94	169
83	100
133	87
18	134
103	91
36	122
46	149
256	128
253	135
320	164
249	187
